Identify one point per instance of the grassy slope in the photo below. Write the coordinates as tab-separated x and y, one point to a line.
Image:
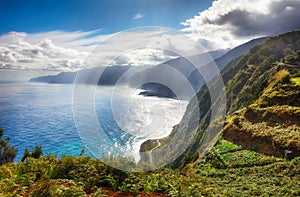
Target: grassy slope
272	123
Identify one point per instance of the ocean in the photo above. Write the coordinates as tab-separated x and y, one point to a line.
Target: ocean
42	114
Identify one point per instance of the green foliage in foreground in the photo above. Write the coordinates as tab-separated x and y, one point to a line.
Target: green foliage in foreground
226	170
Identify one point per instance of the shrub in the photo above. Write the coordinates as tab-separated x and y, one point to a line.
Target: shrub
7	152
292	58
58	188
36	153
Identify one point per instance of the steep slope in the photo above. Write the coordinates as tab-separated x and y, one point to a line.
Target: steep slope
195	77
271	125
250	81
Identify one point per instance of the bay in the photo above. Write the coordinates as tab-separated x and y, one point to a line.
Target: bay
41	114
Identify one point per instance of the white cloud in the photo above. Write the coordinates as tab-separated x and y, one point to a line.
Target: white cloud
67	51
27	52
228	23
138	16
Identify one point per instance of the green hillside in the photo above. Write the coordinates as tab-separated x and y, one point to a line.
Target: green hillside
267	79
262	121
272	123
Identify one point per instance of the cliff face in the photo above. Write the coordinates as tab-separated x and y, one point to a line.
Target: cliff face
263	96
197	80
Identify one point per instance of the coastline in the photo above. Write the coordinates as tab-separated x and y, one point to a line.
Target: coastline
150	145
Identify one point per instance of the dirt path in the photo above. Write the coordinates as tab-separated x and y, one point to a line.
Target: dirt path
150	152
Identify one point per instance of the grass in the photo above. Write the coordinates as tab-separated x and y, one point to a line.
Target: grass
228	155
224	146
247	158
269	180
281	90
296	80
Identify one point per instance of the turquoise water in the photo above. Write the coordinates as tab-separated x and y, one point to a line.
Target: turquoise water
41	114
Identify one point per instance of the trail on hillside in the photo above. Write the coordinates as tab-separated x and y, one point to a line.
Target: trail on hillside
150	152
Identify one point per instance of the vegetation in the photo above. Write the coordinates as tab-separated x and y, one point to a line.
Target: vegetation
265	79
271	123
7	152
36	153
296	80
227	170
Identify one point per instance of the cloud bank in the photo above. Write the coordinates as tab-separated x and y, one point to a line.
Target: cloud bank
67	51
51	51
228	23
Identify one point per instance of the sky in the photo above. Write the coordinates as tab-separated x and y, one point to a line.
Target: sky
58	35
110	16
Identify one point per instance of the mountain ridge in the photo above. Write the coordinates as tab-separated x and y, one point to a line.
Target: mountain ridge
158	72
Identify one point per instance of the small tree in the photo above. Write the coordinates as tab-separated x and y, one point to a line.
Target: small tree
26	154
36	153
7	152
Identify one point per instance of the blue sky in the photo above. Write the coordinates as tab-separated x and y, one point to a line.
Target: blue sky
110	16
